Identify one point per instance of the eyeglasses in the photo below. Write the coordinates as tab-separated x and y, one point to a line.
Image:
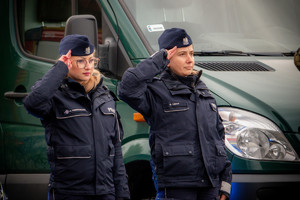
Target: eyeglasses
82	63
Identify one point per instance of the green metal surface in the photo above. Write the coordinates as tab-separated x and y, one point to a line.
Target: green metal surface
26	150
249	166
128	36
137	149
2	152
22	137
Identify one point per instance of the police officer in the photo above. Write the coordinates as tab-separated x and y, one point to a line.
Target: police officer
186	133
83	130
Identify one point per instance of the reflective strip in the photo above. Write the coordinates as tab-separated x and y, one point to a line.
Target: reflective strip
184	109
86	115
265	178
78	109
226	187
73	157
118	128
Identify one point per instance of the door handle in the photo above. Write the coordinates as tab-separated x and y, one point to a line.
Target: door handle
15	95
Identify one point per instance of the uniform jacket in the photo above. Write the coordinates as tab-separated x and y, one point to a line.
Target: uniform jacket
83	133
186	132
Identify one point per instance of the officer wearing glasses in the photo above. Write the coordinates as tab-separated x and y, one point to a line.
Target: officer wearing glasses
82	127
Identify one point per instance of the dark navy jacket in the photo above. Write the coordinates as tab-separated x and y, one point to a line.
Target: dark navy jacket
186	132
83	133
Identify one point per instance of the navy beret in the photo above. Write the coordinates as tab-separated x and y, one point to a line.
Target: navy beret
174	37
78	44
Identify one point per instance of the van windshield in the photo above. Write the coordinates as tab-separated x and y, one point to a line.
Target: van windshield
216	25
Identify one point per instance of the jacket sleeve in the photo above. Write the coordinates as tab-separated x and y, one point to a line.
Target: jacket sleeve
120	178
226	175
133	87
38	102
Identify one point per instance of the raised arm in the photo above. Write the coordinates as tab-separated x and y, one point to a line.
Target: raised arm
133	87
38	102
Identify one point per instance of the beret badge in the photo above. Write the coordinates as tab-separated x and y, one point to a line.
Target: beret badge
87	50
185	41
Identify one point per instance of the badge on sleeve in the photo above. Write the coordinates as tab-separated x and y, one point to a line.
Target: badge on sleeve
213	107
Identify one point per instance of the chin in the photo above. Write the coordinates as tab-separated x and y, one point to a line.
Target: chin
188	73
85	78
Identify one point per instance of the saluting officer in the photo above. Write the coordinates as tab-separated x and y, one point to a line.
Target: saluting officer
83	130
186	133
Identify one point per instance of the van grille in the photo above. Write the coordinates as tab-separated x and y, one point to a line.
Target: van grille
234	66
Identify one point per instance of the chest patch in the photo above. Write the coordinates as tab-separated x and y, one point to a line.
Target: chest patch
111	110
175	106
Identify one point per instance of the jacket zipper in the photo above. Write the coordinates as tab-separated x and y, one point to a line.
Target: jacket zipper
83	157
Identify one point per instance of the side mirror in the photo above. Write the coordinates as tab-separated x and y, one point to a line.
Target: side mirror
108	55
83	25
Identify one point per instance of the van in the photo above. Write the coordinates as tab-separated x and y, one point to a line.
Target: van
246	50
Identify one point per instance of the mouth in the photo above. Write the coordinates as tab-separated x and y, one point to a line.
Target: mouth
189	68
86	73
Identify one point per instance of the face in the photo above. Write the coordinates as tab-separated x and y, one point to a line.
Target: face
182	62
81	74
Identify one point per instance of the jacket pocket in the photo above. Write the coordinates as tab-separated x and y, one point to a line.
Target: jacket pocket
220	158
73	165
73	152
180	160
113	124
175	106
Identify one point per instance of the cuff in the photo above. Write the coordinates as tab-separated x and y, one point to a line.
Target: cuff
225	188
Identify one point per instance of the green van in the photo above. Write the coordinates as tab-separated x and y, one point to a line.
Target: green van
246	49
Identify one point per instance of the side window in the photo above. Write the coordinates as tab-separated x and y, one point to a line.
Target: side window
41	24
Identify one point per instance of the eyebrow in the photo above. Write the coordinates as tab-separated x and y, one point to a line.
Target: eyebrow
86	58
183	51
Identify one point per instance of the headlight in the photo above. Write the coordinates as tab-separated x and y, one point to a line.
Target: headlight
252	136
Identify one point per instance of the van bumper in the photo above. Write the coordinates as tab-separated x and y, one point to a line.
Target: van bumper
265	186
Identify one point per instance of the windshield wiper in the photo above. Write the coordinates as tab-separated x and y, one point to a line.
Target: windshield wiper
241	53
221	53
272	53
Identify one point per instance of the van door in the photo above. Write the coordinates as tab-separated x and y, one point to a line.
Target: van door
29	47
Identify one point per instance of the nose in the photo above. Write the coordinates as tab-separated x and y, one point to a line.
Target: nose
88	65
190	58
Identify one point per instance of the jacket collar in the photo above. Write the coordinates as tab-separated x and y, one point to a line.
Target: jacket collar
75	90
176	87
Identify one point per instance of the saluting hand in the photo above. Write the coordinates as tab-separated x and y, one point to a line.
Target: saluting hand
171	52
66	59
